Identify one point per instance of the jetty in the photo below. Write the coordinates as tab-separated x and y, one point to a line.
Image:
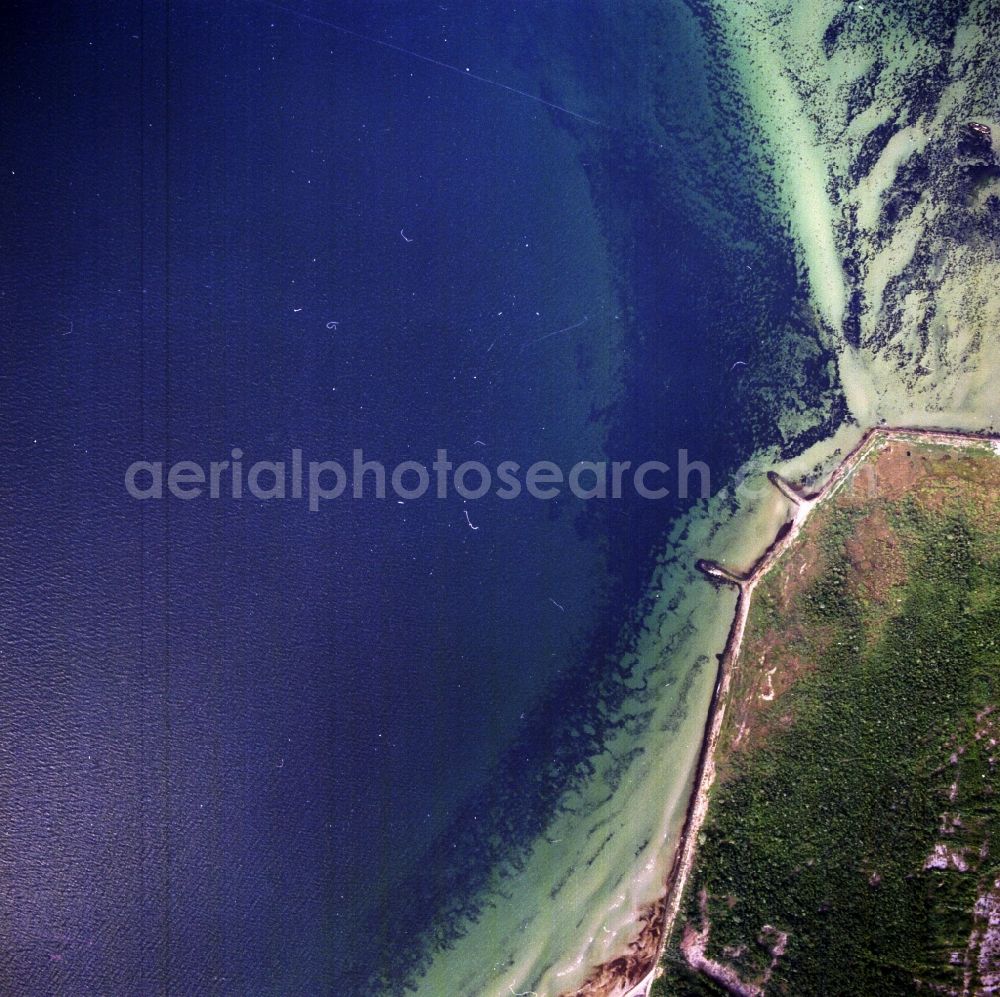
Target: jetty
802	503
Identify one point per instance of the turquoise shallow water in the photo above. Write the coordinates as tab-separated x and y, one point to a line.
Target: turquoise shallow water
259	750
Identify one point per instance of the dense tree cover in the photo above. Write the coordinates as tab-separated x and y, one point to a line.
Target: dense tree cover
878	752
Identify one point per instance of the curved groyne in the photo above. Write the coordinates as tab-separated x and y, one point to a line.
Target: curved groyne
636	976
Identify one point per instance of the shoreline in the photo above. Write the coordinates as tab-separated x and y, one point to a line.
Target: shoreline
627	976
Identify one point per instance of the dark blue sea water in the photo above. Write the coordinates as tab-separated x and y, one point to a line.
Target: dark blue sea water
241	744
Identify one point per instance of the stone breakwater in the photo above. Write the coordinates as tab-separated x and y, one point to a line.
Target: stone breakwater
633	973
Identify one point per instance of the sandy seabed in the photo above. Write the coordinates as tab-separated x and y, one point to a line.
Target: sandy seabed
860	112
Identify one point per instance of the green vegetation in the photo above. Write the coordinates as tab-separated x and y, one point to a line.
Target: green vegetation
874	762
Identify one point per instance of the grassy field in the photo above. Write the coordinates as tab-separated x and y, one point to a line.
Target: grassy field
852	844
